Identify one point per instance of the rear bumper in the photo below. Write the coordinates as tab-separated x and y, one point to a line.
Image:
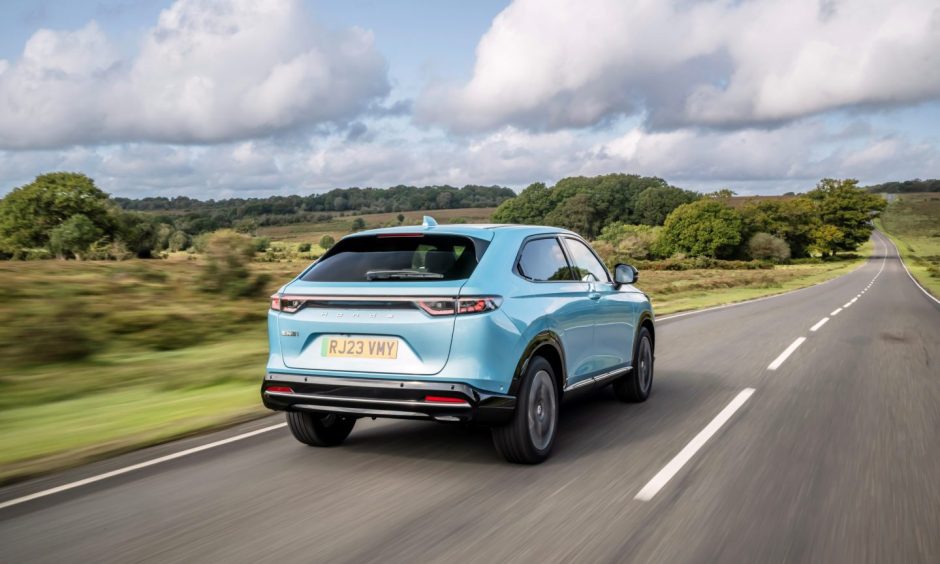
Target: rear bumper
397	399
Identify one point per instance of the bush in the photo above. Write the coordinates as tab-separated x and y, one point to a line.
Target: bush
74	237
764	246
61	334
303	248
633	241
261	243
358	224
226	271
327	242
706	227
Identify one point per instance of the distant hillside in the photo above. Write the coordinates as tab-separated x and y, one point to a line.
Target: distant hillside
905	187
207	215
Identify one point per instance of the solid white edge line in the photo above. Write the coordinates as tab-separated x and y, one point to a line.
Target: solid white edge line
909	275
786	353
672	468
133	467
819	324
836	312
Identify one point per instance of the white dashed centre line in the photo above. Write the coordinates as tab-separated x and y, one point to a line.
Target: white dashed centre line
819	324
846	304
672	468
786	354
836	312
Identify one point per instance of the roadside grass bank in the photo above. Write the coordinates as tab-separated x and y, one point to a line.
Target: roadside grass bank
104	357
678	291
912	221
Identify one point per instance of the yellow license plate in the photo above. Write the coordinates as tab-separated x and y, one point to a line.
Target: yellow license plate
354	347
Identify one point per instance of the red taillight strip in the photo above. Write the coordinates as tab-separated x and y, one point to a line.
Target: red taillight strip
280	390
443	399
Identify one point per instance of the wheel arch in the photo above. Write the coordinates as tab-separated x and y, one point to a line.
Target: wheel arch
548	345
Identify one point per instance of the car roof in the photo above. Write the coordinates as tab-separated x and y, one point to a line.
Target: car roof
485	231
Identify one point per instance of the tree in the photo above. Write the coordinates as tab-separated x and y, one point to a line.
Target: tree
827	239
30	213
74	237
578	214
140	232
327	242
764	246
793	220
706	227
842	204
655	203
529	207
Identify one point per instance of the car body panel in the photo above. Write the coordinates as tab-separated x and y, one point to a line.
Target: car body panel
483	350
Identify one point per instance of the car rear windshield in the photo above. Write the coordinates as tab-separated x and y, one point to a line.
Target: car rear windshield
390	257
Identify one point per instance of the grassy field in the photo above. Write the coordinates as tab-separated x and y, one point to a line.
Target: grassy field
102	357
341	225
913	223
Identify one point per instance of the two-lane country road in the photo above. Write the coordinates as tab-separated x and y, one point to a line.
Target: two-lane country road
772	435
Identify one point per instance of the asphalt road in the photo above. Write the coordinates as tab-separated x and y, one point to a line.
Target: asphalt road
833	457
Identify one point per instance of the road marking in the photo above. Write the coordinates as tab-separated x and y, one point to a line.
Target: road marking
139	466
836	312
909	275
846	305
672	468
820	324
786	354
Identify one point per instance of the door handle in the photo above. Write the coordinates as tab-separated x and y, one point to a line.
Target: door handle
594	296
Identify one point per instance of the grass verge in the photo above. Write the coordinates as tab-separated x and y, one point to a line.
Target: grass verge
912	222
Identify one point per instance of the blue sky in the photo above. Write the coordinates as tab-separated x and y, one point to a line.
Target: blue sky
216	98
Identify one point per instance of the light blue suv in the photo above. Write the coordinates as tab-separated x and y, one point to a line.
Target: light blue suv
493	324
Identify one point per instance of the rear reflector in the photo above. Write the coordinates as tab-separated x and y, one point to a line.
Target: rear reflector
280	390
443	399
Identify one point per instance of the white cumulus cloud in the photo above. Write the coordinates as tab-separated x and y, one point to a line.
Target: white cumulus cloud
208	71
547	64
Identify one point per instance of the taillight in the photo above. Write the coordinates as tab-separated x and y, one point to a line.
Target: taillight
280	390
287	304
443	399
461	306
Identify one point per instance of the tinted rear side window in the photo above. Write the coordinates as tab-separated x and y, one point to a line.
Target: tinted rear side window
543	260
398	258
585	264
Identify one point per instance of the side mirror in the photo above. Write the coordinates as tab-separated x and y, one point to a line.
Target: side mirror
625	274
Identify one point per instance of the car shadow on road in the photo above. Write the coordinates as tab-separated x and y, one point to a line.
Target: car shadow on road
589	423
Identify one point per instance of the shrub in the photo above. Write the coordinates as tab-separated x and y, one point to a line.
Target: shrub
327	242
358	224
706	227
303	248
226	271
764	246
261	243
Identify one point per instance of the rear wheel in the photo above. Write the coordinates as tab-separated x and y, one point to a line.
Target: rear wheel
318	429
635	387
529	437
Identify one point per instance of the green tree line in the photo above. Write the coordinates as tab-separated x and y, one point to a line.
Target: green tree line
906	186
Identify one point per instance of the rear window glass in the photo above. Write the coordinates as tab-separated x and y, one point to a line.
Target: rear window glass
543	260
397	258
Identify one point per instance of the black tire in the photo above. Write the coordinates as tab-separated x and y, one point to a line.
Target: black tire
529	437
636	385
319	429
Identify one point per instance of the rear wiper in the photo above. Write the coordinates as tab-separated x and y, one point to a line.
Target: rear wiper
402	275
